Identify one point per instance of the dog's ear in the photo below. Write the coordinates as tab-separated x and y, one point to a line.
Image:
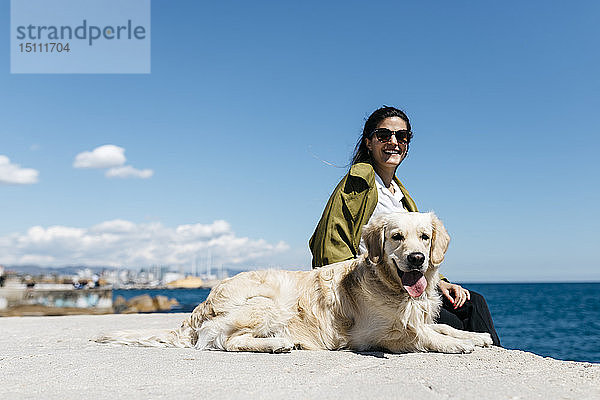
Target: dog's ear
374	237
439	241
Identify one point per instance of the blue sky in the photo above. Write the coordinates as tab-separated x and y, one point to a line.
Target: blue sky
245	100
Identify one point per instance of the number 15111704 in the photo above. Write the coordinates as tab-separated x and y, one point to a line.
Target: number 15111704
44	47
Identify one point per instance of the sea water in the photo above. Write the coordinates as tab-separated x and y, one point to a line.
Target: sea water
559	320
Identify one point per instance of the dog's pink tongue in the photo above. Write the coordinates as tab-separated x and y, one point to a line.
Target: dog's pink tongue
414	282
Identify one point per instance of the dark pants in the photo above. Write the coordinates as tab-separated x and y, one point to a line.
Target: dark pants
473	316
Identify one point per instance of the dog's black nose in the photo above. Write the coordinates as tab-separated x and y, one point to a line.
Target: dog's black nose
416	259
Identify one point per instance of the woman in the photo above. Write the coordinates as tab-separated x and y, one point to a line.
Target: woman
370	188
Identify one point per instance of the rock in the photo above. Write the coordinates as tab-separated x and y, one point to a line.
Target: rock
119	300
142	303
119	305
163	303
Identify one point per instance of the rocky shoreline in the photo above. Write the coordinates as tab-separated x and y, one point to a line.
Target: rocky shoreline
143	304
138	304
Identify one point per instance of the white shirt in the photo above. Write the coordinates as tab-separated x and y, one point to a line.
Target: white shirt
387	202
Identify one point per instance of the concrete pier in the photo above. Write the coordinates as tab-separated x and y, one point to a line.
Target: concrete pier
53	358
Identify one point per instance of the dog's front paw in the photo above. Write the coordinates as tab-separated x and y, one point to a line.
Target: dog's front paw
482	339
282	350
281	346
460	346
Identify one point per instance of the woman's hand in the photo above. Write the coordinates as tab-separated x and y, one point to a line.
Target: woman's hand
455	293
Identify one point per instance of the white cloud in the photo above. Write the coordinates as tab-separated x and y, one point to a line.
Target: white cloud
14	174
127	171
124	243
111	157
114	226
106	156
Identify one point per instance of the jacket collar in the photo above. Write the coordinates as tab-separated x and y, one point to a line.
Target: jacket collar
366	172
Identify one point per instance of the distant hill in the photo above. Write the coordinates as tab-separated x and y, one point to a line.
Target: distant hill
72	269
67	270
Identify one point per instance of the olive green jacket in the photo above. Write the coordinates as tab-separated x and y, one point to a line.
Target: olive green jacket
349	208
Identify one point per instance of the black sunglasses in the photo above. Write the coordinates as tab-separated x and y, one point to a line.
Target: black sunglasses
384	135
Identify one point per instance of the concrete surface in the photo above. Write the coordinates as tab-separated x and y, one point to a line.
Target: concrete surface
52	358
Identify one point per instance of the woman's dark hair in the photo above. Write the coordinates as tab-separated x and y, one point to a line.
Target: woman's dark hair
361	152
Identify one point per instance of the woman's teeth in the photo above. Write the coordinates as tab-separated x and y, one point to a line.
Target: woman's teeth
391	151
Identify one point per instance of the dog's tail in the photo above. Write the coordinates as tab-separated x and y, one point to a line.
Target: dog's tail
182	337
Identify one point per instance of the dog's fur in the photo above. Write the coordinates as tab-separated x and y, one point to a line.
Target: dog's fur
359	304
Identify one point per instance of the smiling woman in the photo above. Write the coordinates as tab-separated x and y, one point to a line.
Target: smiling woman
371	188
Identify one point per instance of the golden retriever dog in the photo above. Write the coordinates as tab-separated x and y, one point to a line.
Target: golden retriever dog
386	299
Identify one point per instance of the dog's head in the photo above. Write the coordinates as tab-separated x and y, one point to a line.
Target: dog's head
406	248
